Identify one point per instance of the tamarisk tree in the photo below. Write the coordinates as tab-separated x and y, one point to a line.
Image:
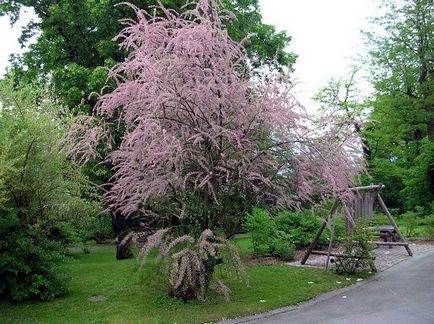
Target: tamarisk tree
203	137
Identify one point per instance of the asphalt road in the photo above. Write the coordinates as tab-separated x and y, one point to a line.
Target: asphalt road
401	294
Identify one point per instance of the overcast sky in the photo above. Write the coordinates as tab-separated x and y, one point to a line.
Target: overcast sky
9	37
325	35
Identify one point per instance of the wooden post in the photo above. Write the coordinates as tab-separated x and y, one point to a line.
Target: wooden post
392	221
332	232
350	220
318	235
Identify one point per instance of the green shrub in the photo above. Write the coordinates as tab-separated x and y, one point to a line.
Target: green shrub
29	263
410	221
381	219
300	227
429	226
262	228
282	235
358	251
98	228
283	248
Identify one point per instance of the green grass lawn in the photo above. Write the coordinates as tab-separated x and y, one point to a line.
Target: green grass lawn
134	296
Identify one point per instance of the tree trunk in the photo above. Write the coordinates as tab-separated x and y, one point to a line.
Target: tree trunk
365	145
190	293
120	228
123	251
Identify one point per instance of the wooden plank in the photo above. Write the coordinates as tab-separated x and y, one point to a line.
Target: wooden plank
336	254
356	206
364	209
326	252
392	221
383	228
318	235
371	206
350	219
389	243
372	202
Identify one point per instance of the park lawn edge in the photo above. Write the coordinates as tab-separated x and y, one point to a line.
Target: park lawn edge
132	296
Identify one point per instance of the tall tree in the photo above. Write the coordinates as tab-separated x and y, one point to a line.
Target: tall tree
342	99
402	136
74	48
200	129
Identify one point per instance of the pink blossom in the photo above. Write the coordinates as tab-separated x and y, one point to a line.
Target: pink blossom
195	119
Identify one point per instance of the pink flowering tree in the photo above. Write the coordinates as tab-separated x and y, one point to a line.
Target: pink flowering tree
204	138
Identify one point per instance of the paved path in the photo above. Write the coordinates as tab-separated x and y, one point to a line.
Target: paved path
401	294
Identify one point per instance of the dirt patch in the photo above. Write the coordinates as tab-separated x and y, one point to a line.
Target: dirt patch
252	260
98	298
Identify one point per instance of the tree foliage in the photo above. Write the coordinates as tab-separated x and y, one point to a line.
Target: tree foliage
74	41
401	127
341	99
200	130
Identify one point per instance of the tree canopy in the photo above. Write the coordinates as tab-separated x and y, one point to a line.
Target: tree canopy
74	41
401	126
75	47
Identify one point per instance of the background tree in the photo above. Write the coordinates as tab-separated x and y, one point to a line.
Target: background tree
402	127
74	48
74	40
41	196
341	98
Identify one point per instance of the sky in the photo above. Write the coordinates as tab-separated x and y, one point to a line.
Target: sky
325	35
9	37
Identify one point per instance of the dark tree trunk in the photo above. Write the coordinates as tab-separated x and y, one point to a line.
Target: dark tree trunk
365	145
121	226
123	251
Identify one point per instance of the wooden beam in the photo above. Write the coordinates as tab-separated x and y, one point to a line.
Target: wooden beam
318	235
392	221
350	220
326	252
372	187
336	254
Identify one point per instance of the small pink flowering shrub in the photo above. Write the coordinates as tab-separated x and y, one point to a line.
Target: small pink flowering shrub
189	263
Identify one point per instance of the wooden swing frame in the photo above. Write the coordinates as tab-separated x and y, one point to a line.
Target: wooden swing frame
351	211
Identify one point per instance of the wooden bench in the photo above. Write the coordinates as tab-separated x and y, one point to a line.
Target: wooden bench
386	232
